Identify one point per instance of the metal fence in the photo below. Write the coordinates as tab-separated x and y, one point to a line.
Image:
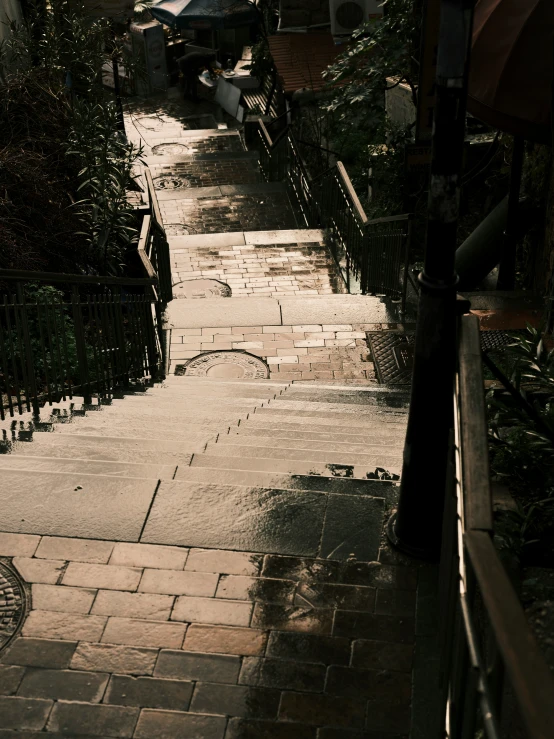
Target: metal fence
495	682
63	335
372	255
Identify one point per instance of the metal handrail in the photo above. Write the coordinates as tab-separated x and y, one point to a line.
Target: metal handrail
373	252
474	580
60	277
93	341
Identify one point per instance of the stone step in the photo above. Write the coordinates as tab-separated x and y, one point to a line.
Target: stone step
256	188
355	418
188	432
292	467
379	458
303	483
316	310
381	436
215	382
340	399
223	393
393	446
265	520
171	405
88	467
106	448
154	161
75	504
239	238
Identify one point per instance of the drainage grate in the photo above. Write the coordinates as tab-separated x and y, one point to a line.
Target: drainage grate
497	340
393	352
392	355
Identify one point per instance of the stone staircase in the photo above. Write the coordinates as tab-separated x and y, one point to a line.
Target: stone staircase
226	442
206	555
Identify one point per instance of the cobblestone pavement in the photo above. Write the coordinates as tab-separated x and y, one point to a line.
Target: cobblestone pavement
135	640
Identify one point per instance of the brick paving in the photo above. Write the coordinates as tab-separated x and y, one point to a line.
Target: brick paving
314	352
262	269
228	213
123	645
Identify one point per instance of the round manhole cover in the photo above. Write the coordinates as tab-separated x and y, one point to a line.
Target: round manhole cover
171	182
177	229
12	604
170	148
151	122
201	289
227	364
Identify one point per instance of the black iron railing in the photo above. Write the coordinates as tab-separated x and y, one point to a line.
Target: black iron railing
63	335
495	682
373	255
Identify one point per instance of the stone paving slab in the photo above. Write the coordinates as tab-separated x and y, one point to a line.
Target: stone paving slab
120	469
72	504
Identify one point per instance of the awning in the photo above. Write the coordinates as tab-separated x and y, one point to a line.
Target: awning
301	58
204	14
512	66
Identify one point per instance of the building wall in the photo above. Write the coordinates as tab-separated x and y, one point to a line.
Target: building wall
301	13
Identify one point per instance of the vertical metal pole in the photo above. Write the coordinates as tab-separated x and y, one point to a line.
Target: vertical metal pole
29	359
507	270
84	382
416	527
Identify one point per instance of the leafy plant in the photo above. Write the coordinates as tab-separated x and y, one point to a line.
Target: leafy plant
522	445
55	57
106	162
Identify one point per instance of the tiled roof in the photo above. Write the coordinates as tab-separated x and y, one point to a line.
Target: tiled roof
301	58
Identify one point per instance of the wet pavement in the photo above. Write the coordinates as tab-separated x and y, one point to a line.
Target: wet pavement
205	559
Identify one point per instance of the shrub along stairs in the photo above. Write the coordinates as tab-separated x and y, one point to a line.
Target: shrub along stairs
205	555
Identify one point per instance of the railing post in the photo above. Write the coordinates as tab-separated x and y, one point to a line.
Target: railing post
150	333
417	525
80	343
29	359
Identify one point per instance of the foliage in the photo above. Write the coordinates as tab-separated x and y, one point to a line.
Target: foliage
37	182
262	63
59	145
522	450
350	119
380	49
106	163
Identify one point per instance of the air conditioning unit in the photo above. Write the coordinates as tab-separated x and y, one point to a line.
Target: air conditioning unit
347	15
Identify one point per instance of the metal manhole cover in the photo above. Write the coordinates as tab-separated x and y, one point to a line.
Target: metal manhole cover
392	356
177	229
170	148
171	182
12	604
151	122
225	364
201	289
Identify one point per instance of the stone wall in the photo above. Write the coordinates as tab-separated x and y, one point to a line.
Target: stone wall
300	13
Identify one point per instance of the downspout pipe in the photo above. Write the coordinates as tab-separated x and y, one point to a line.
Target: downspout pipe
483	248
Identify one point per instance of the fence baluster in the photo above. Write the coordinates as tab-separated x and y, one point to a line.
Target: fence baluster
81	346
28	363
